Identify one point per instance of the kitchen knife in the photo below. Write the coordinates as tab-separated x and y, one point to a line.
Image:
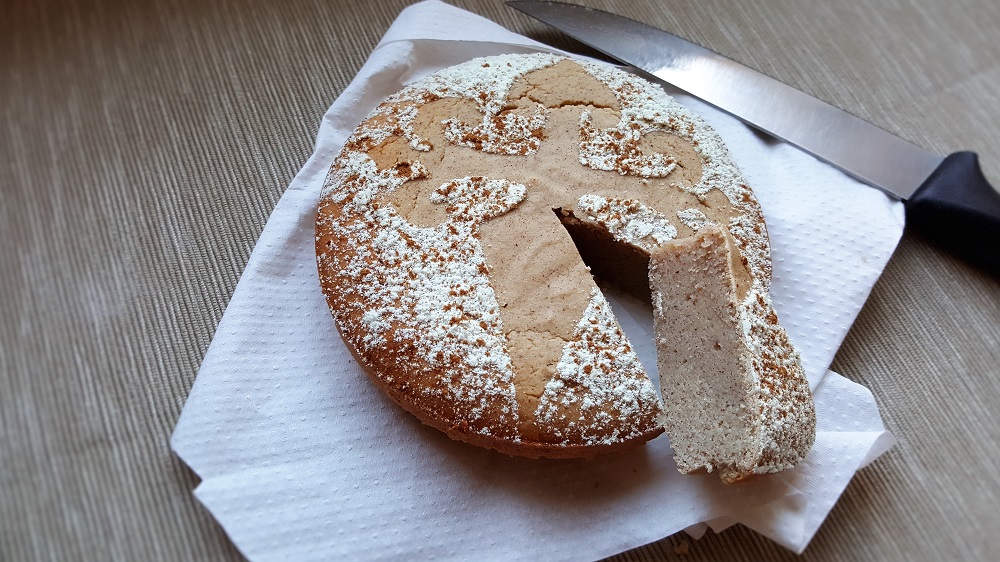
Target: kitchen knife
947	199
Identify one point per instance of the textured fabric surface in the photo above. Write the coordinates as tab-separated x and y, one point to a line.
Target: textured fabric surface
144	146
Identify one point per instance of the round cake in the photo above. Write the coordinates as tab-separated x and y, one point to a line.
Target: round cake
460	230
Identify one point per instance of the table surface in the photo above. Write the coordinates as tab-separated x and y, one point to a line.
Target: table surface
145	145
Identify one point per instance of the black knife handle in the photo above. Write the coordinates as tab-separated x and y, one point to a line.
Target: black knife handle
959	210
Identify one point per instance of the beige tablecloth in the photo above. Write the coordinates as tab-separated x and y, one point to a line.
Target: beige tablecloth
145	144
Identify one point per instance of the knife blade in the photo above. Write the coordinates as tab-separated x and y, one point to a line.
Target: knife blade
947	198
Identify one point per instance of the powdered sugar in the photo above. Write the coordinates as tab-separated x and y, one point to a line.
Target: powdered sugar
477	198
601	391
509	133
486	81
499	131
694	219
627	220
400	285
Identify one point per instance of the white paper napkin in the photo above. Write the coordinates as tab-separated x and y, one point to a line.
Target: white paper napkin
301	458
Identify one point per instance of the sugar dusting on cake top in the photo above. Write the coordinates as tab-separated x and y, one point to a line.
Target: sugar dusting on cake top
406	291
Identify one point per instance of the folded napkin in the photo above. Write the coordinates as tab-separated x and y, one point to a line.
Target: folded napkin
301	458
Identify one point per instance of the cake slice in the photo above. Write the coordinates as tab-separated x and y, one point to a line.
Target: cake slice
735	398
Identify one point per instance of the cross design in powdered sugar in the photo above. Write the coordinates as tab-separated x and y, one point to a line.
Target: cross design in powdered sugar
584	161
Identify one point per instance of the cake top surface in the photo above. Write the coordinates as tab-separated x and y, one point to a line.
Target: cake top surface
438	237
